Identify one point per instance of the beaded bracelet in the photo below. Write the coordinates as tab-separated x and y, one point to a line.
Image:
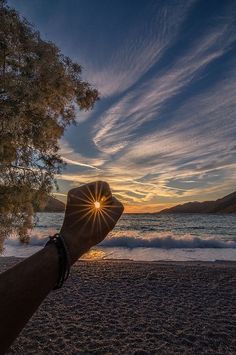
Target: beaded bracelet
64	258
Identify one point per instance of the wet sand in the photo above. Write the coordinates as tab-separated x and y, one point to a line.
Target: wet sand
122	307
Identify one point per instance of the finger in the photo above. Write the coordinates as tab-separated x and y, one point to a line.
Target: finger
118	206
106	194
73	193
94	191
114	210
101	191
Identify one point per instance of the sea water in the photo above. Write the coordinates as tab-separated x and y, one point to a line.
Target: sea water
148	237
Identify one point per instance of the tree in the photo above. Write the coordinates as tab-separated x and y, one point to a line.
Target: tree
40	89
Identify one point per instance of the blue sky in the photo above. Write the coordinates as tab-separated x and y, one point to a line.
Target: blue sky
164	130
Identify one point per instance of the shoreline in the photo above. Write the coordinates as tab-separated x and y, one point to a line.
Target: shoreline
126	307
231	263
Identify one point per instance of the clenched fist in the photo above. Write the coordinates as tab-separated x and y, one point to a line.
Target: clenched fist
91	213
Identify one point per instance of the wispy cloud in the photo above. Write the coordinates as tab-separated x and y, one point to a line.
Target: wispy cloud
115	128
74	162
166	131
142	45
71	157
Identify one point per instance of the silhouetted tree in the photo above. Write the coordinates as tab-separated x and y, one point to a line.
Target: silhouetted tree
39	91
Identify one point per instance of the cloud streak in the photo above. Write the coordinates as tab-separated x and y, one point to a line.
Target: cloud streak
115	128
139	48
164	131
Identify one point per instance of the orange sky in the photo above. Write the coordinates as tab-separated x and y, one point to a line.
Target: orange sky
149	208
146	208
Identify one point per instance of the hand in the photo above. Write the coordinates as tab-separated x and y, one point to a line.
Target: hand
91	213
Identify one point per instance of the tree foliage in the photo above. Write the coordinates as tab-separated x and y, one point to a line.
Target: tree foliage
40	89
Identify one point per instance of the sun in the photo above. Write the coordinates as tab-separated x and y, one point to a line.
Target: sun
97	204
94	208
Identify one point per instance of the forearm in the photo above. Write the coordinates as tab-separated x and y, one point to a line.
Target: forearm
25	286
22	289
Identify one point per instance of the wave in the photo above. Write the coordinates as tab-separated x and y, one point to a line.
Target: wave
133	240
167	242
37	238
34	241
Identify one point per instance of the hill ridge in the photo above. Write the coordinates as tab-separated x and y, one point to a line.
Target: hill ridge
226	204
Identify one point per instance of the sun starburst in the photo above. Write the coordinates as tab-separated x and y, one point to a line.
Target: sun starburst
92	207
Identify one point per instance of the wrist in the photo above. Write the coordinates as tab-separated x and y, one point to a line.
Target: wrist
64	258
75	248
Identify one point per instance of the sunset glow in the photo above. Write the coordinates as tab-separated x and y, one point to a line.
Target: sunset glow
164	130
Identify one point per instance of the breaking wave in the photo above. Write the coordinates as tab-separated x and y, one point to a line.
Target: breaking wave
167	242
36	239
135	240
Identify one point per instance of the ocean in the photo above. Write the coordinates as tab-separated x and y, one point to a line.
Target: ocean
147	237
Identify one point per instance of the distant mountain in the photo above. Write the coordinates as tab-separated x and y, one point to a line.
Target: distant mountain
53	205
226	204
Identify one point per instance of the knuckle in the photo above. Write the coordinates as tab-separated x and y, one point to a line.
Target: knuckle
121	208
95	183
119	205
103	184
72	191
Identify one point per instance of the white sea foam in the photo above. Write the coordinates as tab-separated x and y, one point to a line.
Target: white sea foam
37	238
168	242
131	239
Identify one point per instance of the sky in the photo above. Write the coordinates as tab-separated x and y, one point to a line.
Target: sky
164	131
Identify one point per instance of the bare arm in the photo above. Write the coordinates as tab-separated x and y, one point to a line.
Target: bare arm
24	287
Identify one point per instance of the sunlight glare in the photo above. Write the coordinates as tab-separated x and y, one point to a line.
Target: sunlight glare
97	204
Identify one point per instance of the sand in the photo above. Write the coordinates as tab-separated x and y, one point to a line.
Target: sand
111	307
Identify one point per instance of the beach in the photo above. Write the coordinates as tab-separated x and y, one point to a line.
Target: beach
126	307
